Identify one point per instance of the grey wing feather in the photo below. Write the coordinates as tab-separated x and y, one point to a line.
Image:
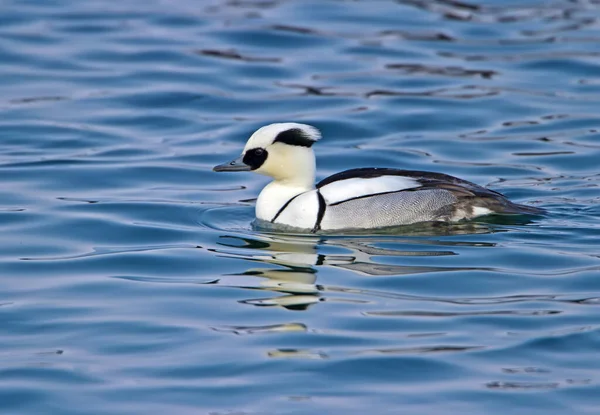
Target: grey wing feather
390	209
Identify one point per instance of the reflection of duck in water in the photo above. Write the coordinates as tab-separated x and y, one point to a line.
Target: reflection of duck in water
354	199
296	278
298	259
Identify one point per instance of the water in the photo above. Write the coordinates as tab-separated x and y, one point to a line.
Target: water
131	281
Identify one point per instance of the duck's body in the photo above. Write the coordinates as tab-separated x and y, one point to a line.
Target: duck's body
354	199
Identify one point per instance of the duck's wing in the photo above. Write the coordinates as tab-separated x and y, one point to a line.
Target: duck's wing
343	187
361	183
372	197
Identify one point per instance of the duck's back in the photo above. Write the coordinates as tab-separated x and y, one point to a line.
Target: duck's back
380	197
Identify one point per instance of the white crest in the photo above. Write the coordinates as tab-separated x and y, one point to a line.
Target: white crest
266	135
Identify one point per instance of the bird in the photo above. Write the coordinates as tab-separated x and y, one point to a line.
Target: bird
360	198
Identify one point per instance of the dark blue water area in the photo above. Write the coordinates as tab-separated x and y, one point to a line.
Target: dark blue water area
133	282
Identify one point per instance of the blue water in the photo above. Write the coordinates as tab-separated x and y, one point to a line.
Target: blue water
132	282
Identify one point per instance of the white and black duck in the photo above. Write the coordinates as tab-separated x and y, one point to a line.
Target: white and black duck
354	199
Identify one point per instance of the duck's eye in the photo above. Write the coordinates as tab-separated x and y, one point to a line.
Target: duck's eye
255	157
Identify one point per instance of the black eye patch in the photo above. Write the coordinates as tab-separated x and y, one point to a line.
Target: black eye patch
255	157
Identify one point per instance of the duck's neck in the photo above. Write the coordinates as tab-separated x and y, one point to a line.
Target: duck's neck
277	193
293	172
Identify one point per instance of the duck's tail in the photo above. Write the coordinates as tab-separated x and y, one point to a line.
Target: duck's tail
518	209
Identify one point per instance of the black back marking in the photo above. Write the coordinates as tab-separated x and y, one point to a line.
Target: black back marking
370	195
255	157
424	178
294	137
286	204
373	172
320	214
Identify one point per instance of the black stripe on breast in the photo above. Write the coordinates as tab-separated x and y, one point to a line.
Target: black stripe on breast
283	207
320	214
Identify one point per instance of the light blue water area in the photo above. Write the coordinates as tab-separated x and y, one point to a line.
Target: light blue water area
131	280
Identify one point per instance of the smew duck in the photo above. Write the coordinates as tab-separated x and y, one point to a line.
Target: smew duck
361	198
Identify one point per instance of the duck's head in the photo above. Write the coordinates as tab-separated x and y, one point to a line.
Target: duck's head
282	151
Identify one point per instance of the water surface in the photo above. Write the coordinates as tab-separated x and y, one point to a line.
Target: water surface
131	280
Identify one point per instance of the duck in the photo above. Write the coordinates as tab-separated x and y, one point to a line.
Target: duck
360	198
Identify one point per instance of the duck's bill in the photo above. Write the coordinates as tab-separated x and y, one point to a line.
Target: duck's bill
234	165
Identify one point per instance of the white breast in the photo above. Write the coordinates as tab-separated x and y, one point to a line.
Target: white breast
273	197
342	190
301	212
